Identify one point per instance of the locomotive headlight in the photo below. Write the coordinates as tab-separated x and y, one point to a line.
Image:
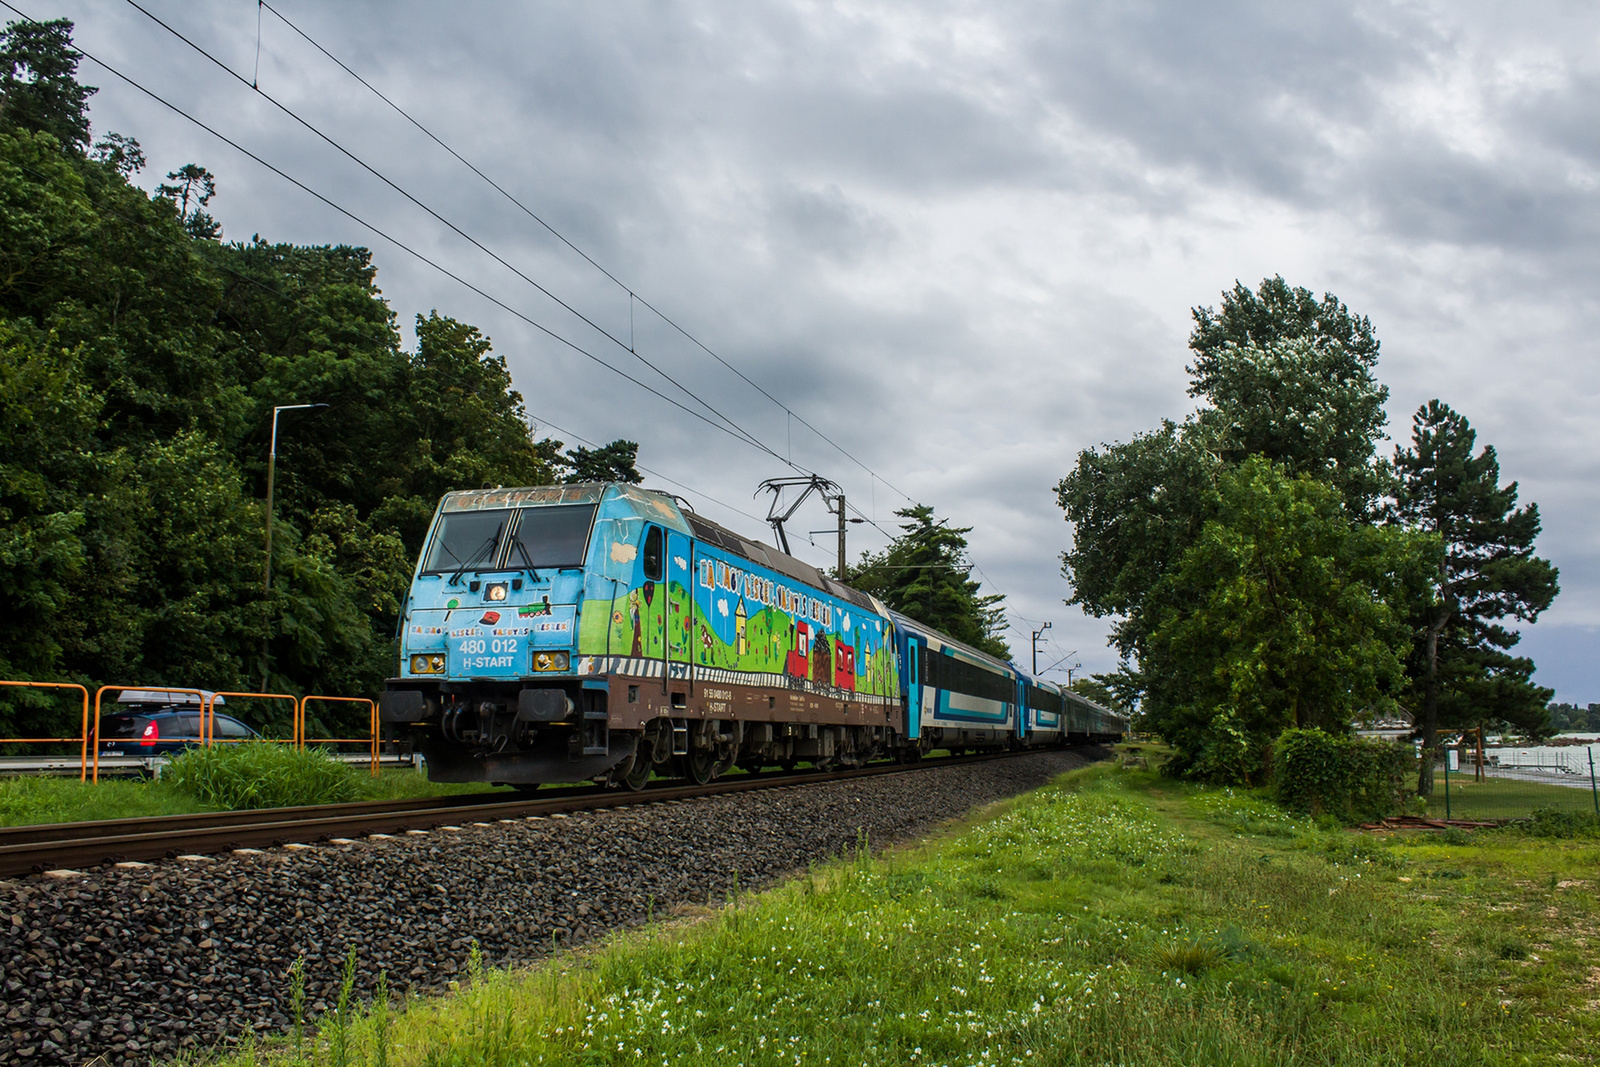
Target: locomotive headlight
427	664
495	591
549	661
436	664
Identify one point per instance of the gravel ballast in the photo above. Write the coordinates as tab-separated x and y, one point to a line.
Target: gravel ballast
139	963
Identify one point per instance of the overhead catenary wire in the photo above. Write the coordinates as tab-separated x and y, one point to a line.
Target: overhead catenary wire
453	227
632	294
582	440
726	425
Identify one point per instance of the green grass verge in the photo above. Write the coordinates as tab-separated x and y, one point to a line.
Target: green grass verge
1504	798
27	800
1112	918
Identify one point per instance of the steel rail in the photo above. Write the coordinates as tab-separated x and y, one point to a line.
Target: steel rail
34	849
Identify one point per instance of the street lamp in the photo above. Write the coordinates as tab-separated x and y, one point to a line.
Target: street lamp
272	465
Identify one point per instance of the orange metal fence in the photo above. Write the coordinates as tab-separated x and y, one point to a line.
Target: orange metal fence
208	713
372	714
83	738
100	693
89	738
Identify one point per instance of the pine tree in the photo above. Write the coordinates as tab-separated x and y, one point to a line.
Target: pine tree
923	573
1461	674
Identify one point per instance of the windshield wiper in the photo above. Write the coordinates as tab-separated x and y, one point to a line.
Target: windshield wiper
488	547
529	569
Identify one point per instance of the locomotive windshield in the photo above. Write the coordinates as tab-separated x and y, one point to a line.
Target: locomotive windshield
466	539
551	536
504	538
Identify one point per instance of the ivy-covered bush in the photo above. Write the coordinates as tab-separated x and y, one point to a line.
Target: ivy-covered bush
1349	778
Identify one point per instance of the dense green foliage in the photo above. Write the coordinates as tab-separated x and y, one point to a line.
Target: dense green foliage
1352	779
1266	568
140	361
1462	674
924	574
262	774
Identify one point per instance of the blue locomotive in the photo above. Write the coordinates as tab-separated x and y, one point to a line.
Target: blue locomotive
604	631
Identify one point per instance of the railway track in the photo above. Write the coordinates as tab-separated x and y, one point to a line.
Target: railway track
36	849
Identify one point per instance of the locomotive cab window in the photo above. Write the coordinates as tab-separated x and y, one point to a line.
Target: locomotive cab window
465	540
653	556
551	536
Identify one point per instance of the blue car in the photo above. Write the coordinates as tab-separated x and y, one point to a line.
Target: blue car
162	722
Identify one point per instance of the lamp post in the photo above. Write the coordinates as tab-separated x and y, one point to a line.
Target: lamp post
272	465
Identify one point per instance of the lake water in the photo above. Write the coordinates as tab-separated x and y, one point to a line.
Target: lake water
1574	759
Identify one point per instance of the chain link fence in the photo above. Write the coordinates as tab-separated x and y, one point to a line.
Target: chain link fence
1511	784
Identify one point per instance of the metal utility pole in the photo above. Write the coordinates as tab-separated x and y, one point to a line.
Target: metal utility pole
839	500
272	465
1036	635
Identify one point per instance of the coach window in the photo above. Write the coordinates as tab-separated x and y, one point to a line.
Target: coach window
652	554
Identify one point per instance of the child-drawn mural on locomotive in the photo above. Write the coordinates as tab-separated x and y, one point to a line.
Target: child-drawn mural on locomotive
746	620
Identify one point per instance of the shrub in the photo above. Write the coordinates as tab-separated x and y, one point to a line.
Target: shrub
1348	778
1547	822
261	774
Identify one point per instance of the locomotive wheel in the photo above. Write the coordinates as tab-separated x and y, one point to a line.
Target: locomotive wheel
638	775
700	765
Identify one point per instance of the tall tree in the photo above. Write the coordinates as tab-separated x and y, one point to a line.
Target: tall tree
608	463
1283	375
139	367
1283	613
924	574
1461	672
39	89
194	189
1290	377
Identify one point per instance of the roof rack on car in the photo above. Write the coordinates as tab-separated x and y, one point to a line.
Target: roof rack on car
168	696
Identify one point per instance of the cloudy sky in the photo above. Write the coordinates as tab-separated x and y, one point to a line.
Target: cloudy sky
962	240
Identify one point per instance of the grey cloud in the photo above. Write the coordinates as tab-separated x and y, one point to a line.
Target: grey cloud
961	239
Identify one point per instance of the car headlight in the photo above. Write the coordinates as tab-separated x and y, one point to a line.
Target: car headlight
494	591
549	661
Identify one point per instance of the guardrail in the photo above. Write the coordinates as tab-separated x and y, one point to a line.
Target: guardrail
208	713
372	714
83	760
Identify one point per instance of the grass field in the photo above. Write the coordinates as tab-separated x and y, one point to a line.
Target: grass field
1504	798
1113	918
32	799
